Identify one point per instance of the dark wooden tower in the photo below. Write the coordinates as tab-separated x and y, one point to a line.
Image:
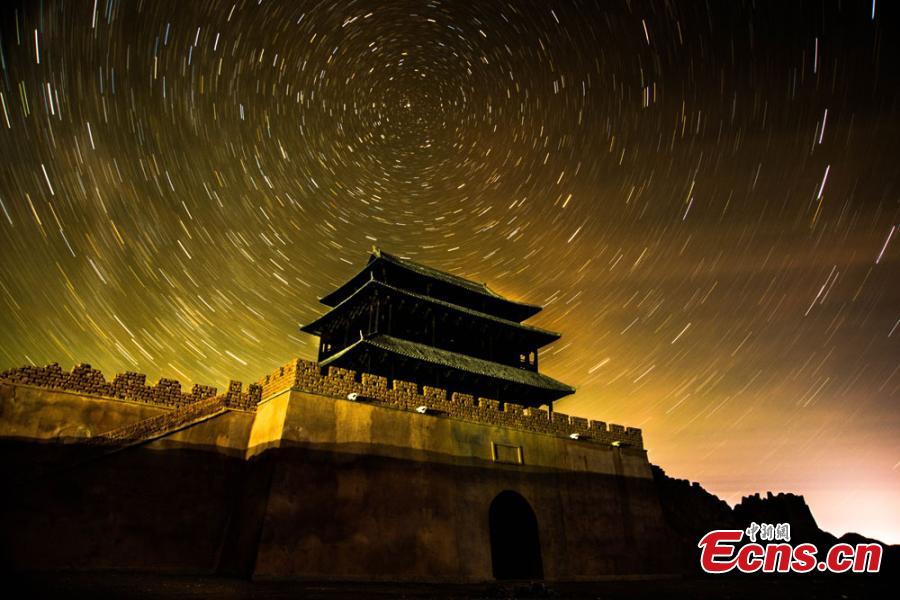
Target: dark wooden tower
404	320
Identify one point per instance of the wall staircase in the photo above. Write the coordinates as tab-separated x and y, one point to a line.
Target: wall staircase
161	425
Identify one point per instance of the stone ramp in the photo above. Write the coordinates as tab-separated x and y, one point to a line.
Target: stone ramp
161	425
75	453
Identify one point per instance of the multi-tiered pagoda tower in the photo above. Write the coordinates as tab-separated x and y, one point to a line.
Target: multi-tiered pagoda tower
404	320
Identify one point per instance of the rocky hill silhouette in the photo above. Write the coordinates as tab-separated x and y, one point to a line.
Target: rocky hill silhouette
691	512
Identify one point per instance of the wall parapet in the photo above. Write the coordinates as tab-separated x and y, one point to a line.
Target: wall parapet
124	386
308	376
235	398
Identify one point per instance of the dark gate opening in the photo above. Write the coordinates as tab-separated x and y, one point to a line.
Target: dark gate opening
515	546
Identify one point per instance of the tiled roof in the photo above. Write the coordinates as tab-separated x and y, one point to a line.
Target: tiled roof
315	326
412	265
462	362
523	308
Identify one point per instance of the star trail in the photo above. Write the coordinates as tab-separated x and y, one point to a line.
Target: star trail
704	196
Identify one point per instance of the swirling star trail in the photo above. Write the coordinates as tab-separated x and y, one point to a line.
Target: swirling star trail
704	196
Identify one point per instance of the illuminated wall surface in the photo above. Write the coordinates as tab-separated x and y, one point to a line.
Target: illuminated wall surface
704	197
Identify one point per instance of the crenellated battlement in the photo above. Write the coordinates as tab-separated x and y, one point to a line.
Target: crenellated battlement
126	386
235	398
307	376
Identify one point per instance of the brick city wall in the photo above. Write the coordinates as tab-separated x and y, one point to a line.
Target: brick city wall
129	386
307	376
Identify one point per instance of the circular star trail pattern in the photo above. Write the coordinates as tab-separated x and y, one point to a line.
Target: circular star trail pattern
704	197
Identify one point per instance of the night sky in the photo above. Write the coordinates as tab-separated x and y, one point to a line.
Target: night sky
703	196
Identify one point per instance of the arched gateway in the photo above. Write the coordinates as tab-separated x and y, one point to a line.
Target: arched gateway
515	546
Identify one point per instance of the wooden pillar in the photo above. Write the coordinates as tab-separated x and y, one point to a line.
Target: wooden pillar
377	314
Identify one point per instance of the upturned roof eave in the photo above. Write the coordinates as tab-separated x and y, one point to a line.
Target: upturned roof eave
464	363
330	299
315	327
